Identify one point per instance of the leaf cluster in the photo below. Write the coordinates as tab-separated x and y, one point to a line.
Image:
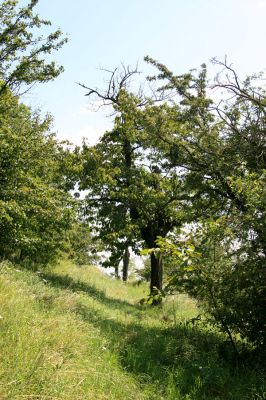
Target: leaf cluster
23	53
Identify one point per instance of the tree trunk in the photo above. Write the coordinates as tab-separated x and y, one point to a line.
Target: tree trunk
156	272
116	271
21	256
126	257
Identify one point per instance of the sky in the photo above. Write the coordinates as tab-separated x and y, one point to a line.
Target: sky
181	34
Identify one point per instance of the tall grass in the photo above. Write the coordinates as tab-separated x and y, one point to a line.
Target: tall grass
74	333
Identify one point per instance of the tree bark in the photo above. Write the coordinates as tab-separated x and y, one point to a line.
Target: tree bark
156	272
126	257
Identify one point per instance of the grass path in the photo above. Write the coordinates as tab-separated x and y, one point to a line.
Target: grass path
73	333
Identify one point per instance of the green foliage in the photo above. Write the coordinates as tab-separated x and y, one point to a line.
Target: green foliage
23	54
35	208
132	196
185	161
211	267
81	246
220	150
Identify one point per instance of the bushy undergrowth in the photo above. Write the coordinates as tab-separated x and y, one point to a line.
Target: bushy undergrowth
73	333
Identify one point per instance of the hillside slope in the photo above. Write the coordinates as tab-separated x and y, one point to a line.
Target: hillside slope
73	333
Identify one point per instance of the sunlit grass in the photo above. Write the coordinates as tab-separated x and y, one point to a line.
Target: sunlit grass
74	333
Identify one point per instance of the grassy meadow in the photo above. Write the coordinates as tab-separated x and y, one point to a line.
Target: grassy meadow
72	333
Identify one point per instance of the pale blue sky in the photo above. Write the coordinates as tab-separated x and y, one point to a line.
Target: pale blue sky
180	33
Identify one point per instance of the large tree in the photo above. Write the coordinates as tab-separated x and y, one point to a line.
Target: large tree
34	167
134	194
35	206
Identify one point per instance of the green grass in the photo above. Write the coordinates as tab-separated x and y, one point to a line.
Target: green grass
73	333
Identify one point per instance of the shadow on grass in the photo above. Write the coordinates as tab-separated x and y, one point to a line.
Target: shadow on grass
178	362
67	282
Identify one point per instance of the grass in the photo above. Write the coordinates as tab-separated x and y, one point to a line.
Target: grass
74	333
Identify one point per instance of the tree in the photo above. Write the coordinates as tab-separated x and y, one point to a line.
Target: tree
23	54
34	168
108	217
132	195
36	209
220	149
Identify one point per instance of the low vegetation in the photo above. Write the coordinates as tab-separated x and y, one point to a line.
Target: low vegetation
75	333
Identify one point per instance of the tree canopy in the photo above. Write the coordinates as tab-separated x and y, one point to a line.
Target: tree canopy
35	208
181	159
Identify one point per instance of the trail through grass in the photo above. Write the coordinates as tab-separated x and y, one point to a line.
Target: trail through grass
74	333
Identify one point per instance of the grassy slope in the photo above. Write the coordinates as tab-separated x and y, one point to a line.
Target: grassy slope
74	333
